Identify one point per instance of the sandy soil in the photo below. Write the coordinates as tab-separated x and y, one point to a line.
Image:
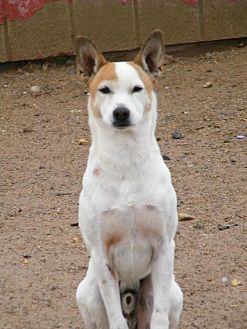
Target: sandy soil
42	162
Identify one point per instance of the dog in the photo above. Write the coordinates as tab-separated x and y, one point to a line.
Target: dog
127	207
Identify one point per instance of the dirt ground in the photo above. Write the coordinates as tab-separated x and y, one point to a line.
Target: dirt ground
43	257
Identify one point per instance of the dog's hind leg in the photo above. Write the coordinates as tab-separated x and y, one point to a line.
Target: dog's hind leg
176	304
144	306
90	302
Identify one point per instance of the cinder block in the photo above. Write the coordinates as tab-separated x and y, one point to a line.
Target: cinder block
109	23
47	33
3	50
224	19
179	20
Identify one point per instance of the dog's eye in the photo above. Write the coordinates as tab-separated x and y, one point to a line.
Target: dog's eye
105	90
136	89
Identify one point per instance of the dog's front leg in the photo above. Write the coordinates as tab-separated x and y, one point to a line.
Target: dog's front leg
162	276
109	288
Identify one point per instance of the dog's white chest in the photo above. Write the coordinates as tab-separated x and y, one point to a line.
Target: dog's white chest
125	212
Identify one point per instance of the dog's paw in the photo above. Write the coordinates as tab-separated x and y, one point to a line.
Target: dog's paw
159	321
119	324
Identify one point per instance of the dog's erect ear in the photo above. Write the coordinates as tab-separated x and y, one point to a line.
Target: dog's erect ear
88	59
151	54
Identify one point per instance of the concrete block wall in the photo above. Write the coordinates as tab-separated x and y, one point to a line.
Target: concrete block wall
110	24
224	19
179	21
48	27
46	33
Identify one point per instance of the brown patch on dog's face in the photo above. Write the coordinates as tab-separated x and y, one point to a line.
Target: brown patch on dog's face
147	81
106	73
96	111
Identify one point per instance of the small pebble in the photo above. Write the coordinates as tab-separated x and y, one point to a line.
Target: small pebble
74	224
222	227
53	288
235	282
199	226
234	305
225	279
82	141
208	55
35	89
166	157
62	193
199	128
177	135
208	84
27	130
182	216
240	136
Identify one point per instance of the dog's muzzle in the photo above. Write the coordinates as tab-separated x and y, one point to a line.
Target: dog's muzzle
121	117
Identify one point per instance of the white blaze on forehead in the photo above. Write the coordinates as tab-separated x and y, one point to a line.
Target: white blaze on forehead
131	74
127	74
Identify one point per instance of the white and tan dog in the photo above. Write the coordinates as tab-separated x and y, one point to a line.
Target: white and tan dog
128	209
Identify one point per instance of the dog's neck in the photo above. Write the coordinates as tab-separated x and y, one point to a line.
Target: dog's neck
120	146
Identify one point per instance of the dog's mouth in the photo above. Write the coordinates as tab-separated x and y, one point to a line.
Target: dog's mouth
121	125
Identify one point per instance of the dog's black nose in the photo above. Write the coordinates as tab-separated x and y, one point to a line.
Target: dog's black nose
121	114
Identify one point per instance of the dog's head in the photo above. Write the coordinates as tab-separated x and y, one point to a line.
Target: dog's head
122	92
